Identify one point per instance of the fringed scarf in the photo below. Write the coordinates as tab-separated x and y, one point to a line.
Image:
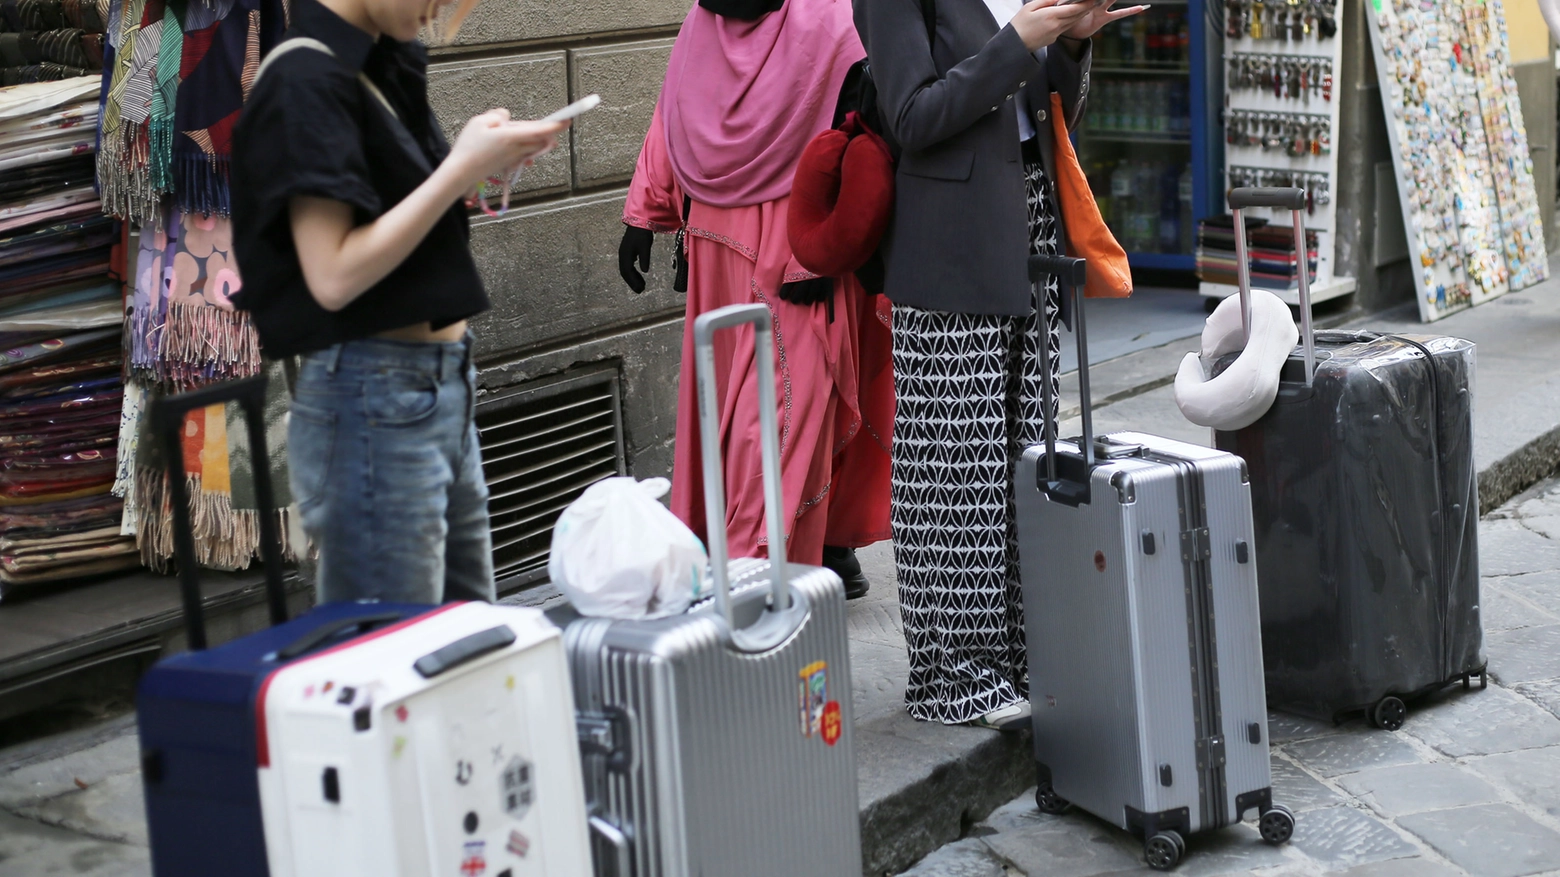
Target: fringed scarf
224	41
160	129
124	177
183	333
207	476
241	465
219	474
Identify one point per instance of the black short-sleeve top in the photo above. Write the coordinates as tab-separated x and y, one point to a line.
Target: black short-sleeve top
311	127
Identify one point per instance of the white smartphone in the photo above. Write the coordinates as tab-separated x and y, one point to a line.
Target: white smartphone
578	108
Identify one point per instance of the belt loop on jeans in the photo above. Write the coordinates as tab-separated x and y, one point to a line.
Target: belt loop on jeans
333	358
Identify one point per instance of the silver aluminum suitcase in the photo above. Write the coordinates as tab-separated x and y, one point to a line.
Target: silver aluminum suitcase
1145	653
719	742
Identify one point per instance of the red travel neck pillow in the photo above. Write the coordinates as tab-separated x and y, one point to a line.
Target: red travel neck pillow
841	199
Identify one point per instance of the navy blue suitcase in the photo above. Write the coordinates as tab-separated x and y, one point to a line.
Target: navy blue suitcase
202	739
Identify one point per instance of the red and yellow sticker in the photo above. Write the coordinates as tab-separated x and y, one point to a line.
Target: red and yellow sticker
832	725
812	695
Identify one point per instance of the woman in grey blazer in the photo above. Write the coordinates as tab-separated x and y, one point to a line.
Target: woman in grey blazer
970	113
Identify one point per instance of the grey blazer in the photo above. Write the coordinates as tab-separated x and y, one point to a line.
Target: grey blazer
959	238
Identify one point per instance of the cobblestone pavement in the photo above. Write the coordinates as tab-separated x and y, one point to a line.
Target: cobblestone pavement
1469	786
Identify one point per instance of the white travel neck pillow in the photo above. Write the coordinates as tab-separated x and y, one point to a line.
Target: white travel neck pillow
1244	392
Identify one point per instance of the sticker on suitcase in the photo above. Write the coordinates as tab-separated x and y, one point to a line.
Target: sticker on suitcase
517	788
519	844
473	863
833	724
814	696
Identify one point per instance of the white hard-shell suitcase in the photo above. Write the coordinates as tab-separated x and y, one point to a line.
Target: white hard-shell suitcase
443	746
719	742
1140	603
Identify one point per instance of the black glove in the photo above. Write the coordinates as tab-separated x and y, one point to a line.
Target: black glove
636	245
808	292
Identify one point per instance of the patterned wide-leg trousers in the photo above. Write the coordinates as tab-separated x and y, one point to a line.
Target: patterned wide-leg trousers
969	402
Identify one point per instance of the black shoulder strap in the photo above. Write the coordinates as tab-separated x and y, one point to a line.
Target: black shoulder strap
929	15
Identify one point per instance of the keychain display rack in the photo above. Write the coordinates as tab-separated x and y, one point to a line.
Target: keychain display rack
1460	152
1280	123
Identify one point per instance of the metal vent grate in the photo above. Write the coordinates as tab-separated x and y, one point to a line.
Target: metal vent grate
543	443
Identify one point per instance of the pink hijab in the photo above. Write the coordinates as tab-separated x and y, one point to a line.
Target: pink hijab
743	98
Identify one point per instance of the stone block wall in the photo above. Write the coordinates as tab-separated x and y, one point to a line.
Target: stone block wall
550	265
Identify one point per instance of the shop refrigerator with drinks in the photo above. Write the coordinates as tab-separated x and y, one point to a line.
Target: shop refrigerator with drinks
1150	141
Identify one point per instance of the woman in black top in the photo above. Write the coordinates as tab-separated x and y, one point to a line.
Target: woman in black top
350	229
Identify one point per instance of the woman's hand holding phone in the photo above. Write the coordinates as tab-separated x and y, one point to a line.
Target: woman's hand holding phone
1040	22
493	145
1099	15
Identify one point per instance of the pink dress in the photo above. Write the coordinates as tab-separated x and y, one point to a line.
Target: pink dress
834	381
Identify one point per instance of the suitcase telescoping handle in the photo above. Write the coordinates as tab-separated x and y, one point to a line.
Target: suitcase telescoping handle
781	618
1279	198
167	416
1071	274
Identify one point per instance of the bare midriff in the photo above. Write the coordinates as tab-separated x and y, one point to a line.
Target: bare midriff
425	332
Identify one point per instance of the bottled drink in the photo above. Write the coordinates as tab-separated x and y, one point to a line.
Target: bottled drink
1141	107
1099	186
1121	201
1183	57
1124	40
1106	46
1169	210
1145	208
1162	91
1184	191
1139	39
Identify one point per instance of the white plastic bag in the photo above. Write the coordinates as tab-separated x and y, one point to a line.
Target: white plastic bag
618	553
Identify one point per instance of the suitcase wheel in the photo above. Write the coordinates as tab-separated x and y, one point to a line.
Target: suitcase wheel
1277	826
1164	850
1050	802
1388	713
1484	680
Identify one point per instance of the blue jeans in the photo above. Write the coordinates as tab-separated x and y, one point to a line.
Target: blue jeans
387	472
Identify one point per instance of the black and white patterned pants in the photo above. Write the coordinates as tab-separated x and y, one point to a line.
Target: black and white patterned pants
969	397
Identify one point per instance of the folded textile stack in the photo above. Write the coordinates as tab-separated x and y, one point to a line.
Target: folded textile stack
60	351
50	40
60	398
1270	249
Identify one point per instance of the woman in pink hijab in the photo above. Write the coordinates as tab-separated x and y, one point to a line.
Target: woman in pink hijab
749	83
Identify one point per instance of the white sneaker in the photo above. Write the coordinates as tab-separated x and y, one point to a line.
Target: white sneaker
1013	717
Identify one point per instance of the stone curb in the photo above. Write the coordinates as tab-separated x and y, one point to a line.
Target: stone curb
1519	470
940	804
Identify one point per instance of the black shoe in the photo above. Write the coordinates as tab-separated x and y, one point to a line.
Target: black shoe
844	563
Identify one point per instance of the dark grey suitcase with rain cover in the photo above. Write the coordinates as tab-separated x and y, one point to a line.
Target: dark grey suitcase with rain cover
1367	510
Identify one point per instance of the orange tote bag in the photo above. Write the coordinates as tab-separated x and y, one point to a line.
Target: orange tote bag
1087	235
